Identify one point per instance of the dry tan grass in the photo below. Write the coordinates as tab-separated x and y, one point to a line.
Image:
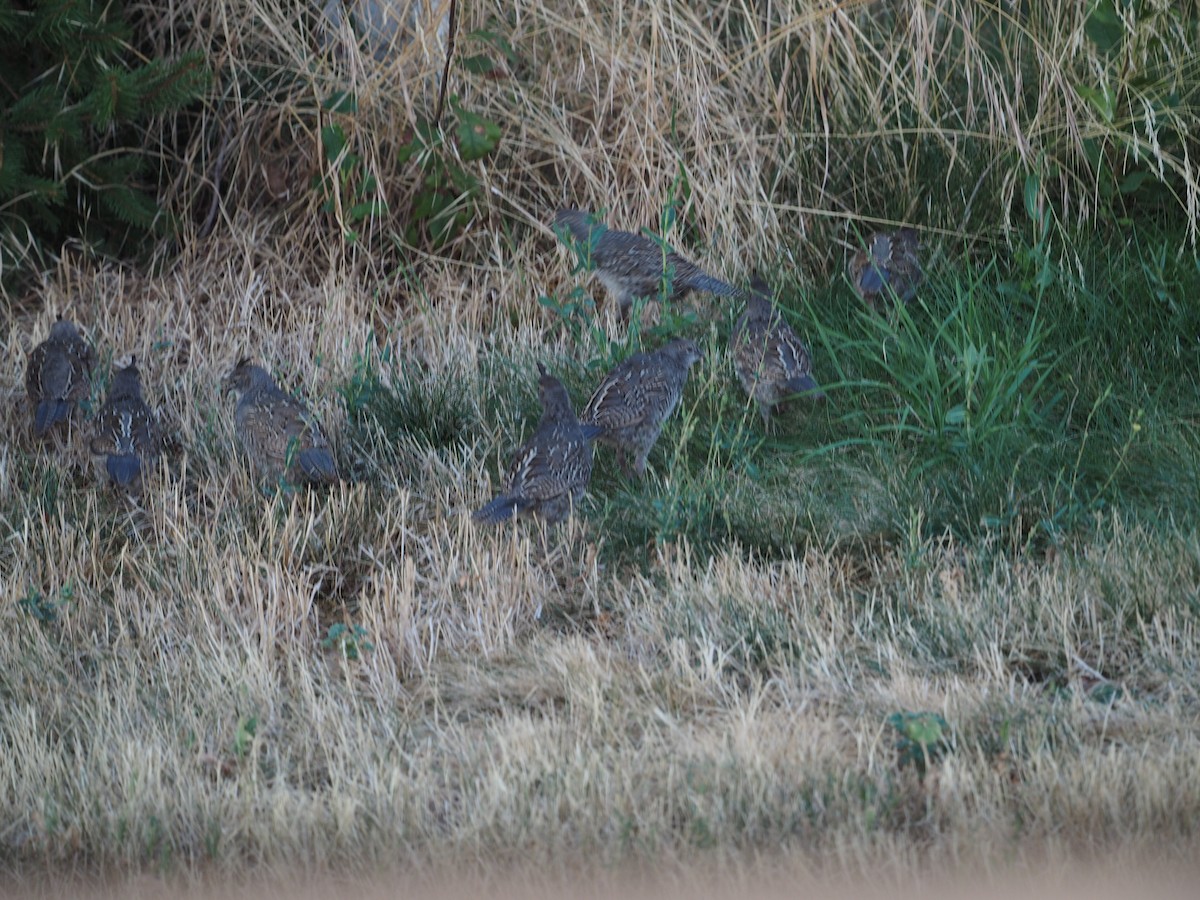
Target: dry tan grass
525	704
797	124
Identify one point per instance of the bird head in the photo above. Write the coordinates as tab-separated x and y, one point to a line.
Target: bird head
551	392
582	227
127	381
63	329
686	351
242	377
760	297
881	247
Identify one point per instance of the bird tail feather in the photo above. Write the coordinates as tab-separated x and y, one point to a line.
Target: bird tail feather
804	384
318	465
499	510
49	412
703	282
123	468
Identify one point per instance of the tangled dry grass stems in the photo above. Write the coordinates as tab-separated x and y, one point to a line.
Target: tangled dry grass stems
522	702
783	131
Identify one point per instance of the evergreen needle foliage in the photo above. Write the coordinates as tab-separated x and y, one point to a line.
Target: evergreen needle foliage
73	119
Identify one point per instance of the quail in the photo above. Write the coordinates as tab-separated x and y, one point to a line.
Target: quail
771	361
277	431
125	431
58	375
636	398
890	262
548	475
630	265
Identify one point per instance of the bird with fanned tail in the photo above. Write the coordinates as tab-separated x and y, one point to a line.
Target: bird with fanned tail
278	432
548	475
125	431
889	264
771	361
631	265
58	375
636	398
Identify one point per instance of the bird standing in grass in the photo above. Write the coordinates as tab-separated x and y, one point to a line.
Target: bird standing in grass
631	266
636	398
58	375
277	431
771	361
125	431
890	263
548	475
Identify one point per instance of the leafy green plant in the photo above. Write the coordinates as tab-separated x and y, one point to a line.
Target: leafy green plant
922	738
43	609
1036	264
349	190
243	738
961	389
349	641
1144	100
73	129
448	192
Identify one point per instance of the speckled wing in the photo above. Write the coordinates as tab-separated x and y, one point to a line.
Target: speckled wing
283	436
634	264
557	461
785	356
906	274
630	262
637	391
127	434
56	378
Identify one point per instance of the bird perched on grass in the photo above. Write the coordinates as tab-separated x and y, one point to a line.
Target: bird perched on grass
890	263
548	475
58	375
771	361
277	431
125	431
636	398
631	266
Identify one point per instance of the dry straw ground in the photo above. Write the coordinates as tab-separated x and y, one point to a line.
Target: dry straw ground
173	697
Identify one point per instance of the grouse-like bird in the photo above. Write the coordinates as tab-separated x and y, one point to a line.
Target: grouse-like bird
630	265
890	264
771	361
548	475
636	398
281	436
125	431
58	375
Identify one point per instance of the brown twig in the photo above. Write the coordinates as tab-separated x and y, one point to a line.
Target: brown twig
218	170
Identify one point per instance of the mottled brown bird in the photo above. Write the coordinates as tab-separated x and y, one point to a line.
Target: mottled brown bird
636	398
771	361
125	431
630	265
58	375
277	431
890	263
548	475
